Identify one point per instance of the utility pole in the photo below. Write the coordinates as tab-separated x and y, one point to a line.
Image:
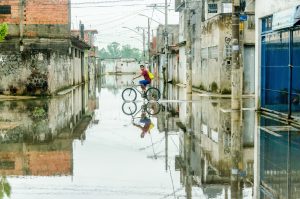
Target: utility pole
188	47
165	68
144	42
144	49
236	93
235	70
149	49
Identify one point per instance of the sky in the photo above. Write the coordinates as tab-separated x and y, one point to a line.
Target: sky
110	17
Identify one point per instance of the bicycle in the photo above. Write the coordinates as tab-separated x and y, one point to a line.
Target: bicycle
130	93
130	108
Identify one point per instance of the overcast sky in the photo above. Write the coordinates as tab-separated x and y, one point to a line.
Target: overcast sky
109	16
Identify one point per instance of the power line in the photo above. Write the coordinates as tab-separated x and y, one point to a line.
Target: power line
110	6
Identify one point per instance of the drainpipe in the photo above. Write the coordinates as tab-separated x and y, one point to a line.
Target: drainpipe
187	29
290	73
21	25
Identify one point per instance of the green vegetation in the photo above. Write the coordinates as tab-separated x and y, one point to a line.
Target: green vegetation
3	31
201	87
214	87
5	188
38	113
115	50
226	91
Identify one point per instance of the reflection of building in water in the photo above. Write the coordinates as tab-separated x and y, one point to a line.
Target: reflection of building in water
278	159
36	136
205	158
114	82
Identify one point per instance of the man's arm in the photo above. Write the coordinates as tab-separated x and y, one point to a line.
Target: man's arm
136	77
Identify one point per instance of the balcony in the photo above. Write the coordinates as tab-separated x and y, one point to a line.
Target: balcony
179	5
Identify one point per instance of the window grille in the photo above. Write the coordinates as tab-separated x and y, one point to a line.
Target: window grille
212	8
6	9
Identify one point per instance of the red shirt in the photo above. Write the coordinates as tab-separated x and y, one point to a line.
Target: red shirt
146	75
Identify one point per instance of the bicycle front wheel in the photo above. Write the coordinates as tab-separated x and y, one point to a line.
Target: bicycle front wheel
129	94
153	94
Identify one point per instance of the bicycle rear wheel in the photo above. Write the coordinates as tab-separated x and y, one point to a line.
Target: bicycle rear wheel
129	108
129	94
153	94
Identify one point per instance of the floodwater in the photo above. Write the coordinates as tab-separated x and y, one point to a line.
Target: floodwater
85	144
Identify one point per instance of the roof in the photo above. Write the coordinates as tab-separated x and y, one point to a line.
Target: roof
79	43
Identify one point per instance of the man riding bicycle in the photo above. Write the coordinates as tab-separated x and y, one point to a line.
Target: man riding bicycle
145	74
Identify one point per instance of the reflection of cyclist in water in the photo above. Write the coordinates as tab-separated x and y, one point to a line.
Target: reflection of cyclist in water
144	124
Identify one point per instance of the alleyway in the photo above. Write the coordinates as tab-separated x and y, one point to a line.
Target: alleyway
88	148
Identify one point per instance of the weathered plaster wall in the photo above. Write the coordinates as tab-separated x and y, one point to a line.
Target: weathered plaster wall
215	68
182	65
43	67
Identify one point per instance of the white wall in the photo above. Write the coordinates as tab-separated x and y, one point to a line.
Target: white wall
121	65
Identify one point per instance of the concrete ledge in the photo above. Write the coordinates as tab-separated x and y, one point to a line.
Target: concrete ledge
9	98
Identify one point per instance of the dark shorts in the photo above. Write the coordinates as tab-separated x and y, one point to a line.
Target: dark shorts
144	82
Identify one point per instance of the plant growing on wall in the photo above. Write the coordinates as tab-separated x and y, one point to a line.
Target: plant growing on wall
3	31
5	188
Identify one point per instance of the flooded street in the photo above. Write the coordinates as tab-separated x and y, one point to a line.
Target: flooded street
85	144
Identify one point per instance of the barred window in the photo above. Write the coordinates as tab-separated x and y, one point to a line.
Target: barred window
212	8
6	9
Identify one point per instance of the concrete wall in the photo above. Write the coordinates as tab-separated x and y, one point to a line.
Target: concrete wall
182	65
120	65
26	126
76	63
215	65
43	67
173	67
263	9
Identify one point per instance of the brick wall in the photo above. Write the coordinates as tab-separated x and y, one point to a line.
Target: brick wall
14	17
50	163
37	12
46	12
41	18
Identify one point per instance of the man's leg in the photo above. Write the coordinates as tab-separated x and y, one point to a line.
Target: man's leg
143	84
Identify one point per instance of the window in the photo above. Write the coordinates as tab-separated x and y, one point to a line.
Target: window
204	53
267	24
6	9
212	8
251	22
7	164
213	52
227	51
226	7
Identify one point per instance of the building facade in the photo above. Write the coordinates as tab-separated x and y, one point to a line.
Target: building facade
205	36
39	57
277	63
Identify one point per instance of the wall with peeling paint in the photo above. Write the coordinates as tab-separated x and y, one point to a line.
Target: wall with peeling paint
43	67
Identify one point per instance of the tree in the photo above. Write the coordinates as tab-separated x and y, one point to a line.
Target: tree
3	31
115	50
103	54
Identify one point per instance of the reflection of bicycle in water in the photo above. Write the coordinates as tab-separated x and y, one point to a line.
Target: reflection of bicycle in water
130	108
143	122
130	93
